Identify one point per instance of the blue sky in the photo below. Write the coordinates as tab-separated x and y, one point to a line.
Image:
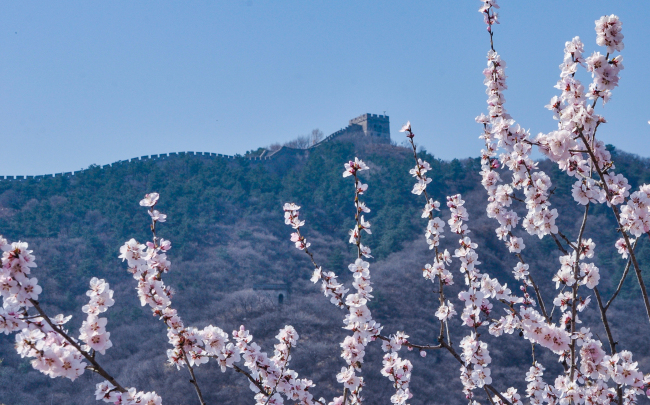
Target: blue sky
95	82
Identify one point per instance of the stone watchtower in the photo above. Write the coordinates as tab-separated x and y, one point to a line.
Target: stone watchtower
373	125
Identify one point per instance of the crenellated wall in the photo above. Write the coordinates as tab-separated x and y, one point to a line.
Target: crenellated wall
374	126
160	157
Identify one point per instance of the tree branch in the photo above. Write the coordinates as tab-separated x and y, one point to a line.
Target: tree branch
603	317
637	269
610	338
96	367
537	293
559	245
620	283
460	360
488	395
574	299
412	345
566	240
193	380
255	382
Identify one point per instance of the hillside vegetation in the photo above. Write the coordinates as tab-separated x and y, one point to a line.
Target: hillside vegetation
225	222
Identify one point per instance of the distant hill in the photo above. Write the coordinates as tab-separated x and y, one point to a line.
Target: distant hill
226	225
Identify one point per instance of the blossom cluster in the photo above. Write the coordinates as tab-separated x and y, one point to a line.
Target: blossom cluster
93	330
351	169
635	215
359	318
16	287
434	230
588	273
608	33
332	289
537	391
475	371
45	340
420	173
574	146
147	263
490	17
107	392
272	373
51	353
500	131
537	330
192	346
578	153
364	329
596	369
397	370
438	269
291	217
435	226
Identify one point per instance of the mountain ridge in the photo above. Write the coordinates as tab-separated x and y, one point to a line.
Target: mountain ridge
364	125
225	222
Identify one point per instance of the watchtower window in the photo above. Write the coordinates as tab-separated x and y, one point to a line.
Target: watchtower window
280	298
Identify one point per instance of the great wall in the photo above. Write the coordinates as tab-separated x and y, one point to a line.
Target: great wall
373	126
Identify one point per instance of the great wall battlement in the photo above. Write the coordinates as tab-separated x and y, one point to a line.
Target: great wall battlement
373	126
160	157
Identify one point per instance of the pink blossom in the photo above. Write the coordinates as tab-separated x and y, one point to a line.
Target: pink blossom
149	200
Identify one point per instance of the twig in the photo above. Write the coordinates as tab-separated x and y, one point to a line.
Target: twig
537	293
610	338
575	291
566	240
193	380
254	381
497	393
533	350
488	395
603	317
620	283
559	245
411	345
443	324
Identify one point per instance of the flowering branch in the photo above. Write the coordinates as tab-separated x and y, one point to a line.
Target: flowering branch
96	367
284	366
602	173
433	234
587	368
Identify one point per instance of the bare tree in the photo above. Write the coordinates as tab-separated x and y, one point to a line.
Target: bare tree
316	136
305	141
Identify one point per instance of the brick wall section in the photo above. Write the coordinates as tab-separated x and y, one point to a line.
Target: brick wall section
373	126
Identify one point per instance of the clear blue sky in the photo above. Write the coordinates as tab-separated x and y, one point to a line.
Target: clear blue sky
85	82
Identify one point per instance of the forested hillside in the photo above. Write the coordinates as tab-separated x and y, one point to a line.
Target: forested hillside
225	222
